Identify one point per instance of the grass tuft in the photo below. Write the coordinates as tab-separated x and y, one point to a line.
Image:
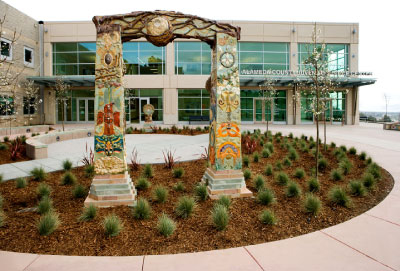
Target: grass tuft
287	162
363	156
142	210
266	197
220	217
179	187
148	171
375	170
357	188
88	213
112	225
160	194
256	157
200	192
142	184
246	161
67	164
268	170
299	173
353	151
38	174
89	171
312	204
224	201
68	178
322	164
293	190
282	178
345	165
259	182
79	191
166	226
265	153
48	223
178	172
21	183
268	217
185	207
45	205
336	175
313	185
247	174
43	190
338	196
368	181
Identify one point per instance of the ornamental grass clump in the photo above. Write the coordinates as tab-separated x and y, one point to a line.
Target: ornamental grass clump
48	223
178	172
313	185
265	153
21	183
43	190
312	204
220	217
278	165
200	192
268	217
160	194
268	170
322	164
293	190
166	226
368	181
45	205
293	155
356	188
368	161
336	175
68	178
375	170
224	201
343	148
148	171
287	162
89	171
142	184
67	165
270	147
246	161
112	225
353	151
345	165
338	196
142	210
88	213
282	178
247	174
363	156
259	182
333	145
266	197
185	207
79	191
38	174
3	147
256	157
299	173
179	187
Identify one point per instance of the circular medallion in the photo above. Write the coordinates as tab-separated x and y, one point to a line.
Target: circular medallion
158	26
227	59
108	59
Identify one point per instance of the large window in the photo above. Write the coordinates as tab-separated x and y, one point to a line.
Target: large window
338	105
80	58
247	103
336	55
335	107
6	105
135	99
6	49
192	58
193	102
74	107
263	56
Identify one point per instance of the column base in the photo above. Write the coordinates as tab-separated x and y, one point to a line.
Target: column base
111	190
225	182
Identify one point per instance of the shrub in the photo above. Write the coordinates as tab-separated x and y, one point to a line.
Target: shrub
368	161
278	165
142	184
79	191
293	190
3	147
336	175
185	207
287	162
312	204
224	201
148	171
278	140
266	197
353	151
45	205
338	196
311	138
2	218
343	148
246	161
368	180
268	170
6	139
142	210
363	156
345	165
261	142
375	170
268	217
67	164
179	187
247	174
21	183
201	192
89	171
333	145
48	223
88	213
259	182
270	147
220	217
299	173
38	174
166	226
256	157
322	164
178	172
160	194
293	155
43	190
282	178
290	135
313	185
312	144
265	153
112	225
356	188
68	178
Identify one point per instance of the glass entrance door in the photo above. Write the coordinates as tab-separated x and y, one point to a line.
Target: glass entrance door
262	110
143	102
136	109
85	110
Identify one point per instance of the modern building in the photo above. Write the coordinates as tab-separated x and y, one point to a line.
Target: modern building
173	78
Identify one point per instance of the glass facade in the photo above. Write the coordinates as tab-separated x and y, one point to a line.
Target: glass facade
193	102
335	107
263	56
192	58
79	58
338	105
75	109
135	99
336	55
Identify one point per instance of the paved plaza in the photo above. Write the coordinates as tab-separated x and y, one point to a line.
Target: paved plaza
367	242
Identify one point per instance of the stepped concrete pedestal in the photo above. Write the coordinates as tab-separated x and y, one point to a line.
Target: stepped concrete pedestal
225	182
111	190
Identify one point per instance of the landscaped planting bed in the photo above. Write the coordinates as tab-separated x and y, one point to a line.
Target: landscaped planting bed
349	183
12	151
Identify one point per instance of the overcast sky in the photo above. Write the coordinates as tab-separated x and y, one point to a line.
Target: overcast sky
379	27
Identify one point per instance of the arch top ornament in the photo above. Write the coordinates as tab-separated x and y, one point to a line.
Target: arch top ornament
162	27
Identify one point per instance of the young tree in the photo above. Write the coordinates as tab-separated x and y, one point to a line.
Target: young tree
269	93
62	90
31	98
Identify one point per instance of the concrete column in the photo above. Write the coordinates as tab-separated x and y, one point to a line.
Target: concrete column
170	105
170	59
349	107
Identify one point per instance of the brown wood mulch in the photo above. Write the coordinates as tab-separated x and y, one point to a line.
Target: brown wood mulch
140	237
5	157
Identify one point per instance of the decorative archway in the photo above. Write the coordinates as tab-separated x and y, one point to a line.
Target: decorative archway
112	185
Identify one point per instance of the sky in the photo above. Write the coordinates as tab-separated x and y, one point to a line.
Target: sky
378	35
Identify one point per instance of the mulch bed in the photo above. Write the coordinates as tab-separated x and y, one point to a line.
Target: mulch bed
140	237
5	155
174	130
